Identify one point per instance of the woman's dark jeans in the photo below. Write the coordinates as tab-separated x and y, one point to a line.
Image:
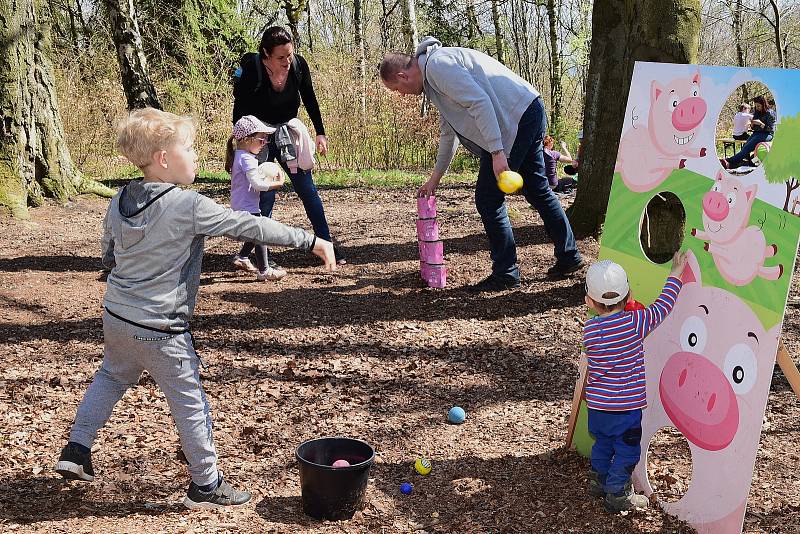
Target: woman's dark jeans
304	186
527	158
748	147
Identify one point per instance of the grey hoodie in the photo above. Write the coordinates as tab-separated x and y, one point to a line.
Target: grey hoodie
478	98
153	242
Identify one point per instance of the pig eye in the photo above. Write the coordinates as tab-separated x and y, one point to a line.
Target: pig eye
675	103
740	368
693	335
717	188
731	199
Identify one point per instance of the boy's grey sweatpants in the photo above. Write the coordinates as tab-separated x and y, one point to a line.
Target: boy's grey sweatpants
172	362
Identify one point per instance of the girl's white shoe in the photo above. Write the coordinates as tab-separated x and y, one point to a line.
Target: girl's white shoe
270	274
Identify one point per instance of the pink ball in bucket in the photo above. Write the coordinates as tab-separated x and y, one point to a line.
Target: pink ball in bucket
340	463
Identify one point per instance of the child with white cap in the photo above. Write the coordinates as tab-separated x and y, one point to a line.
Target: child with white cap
615	386
248	179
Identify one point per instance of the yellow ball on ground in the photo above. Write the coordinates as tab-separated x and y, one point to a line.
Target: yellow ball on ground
423	466
509	182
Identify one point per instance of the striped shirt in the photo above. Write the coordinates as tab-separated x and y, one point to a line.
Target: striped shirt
615	352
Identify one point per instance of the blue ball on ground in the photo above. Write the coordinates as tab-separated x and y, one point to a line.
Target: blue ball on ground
456	415
406	488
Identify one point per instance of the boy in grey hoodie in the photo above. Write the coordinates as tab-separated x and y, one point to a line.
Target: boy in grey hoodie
153	238
500	118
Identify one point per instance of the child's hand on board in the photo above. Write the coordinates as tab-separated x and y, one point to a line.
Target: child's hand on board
678	264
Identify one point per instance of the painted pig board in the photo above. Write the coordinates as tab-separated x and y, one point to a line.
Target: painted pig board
709	365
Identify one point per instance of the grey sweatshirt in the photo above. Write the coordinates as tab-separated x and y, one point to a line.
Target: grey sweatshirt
154	248
478	98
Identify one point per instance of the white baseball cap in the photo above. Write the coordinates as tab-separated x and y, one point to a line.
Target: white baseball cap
248	125
607	277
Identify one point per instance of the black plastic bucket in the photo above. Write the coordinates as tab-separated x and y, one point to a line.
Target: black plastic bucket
333	493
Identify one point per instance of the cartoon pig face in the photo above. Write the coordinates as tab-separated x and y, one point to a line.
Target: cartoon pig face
726	208
676	112
717	364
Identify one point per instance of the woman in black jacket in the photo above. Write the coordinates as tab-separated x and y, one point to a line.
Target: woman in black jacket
271	86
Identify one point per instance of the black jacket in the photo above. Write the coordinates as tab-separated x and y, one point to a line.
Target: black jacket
254	94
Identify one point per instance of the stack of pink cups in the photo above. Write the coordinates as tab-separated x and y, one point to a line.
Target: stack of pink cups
431	248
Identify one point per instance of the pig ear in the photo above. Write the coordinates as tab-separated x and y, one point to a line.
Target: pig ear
720	175
655	91
750	192
696	77
691	273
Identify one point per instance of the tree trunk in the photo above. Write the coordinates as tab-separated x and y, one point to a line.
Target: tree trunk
294	11
737	37
498	31
410	26
776	26
34	159
556	92
623	31
361	57
136	83
791	184
473	28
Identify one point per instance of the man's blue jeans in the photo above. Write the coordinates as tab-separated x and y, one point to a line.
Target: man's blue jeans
748	147
303	184
527	158
617	448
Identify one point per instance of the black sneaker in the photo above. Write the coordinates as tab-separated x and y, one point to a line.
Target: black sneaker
74	464
596	485
561	271
224	495
494	283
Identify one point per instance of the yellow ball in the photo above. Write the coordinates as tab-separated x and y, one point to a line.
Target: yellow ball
509	182
423	466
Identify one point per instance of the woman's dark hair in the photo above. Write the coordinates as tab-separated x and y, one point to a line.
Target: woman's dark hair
761	100
272	37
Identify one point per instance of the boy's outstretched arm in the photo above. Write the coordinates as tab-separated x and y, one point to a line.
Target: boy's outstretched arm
652	316
212	219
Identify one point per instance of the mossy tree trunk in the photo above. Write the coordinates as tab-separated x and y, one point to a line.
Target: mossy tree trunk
294	10
498	31
139	90
34	159
409	16
623	31
556	91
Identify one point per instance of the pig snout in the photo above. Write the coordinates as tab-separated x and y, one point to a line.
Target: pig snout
699	400
689	114
715	205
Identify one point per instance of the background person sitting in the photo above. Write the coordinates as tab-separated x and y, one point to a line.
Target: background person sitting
763	125
551	160
741	123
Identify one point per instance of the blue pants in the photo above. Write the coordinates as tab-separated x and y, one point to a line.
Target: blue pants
748	147
304	186
617	447
527	158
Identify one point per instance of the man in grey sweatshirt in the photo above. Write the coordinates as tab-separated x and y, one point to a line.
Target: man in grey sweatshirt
500	118
153	238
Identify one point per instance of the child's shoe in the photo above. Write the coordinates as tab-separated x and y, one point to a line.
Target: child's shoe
596	484
224	495
270	274
244	264
74	464
625	500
